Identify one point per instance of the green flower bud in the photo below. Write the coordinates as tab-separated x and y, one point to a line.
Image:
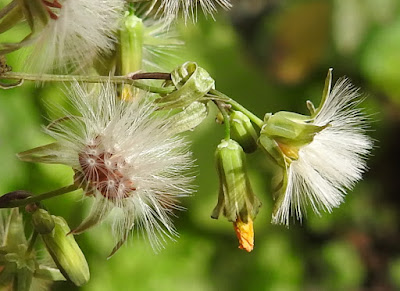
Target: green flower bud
243	132
130	52
131	44
42	221
66	253
192	84
236	198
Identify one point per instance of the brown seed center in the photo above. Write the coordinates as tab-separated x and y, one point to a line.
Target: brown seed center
103	171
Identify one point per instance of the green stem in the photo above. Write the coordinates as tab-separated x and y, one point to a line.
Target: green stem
86	79
37	198
32	242
8	8
257	121
226	119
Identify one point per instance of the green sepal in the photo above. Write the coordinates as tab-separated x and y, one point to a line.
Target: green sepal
325	94
98	213
279	186
43	154
243	132
236	198
15	234
272	149
42	221
48	273
290	128
66	253
192	83
189	118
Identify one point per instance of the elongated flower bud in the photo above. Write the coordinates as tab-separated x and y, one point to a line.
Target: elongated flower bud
236	199
130	53
66	253
243	132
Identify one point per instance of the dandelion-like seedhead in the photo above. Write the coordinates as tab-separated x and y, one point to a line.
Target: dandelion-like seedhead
124	156
189	8
333	161
77	32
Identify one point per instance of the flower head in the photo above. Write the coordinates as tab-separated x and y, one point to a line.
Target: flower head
123	155
320	156
75	33
170	8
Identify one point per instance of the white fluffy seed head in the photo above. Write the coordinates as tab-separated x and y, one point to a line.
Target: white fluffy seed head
189	8
80	31
127	158
333	162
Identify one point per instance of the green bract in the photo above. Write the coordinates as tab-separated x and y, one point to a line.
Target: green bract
190	117
236	198
130	45
243	132
192	84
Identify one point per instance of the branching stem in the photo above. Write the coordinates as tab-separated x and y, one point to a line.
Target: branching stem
90	79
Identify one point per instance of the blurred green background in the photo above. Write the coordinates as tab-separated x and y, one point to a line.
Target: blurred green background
269	56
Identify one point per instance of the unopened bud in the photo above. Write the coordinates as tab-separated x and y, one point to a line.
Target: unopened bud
236	199
42	221
243	132
130	52
66	253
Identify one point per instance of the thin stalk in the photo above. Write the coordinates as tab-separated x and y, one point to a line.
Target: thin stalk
257	121
32	242
32	199
8	8
227	123
86	79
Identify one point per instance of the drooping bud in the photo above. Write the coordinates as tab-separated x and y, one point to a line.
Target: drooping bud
192	83
243	132
236	200
66	253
